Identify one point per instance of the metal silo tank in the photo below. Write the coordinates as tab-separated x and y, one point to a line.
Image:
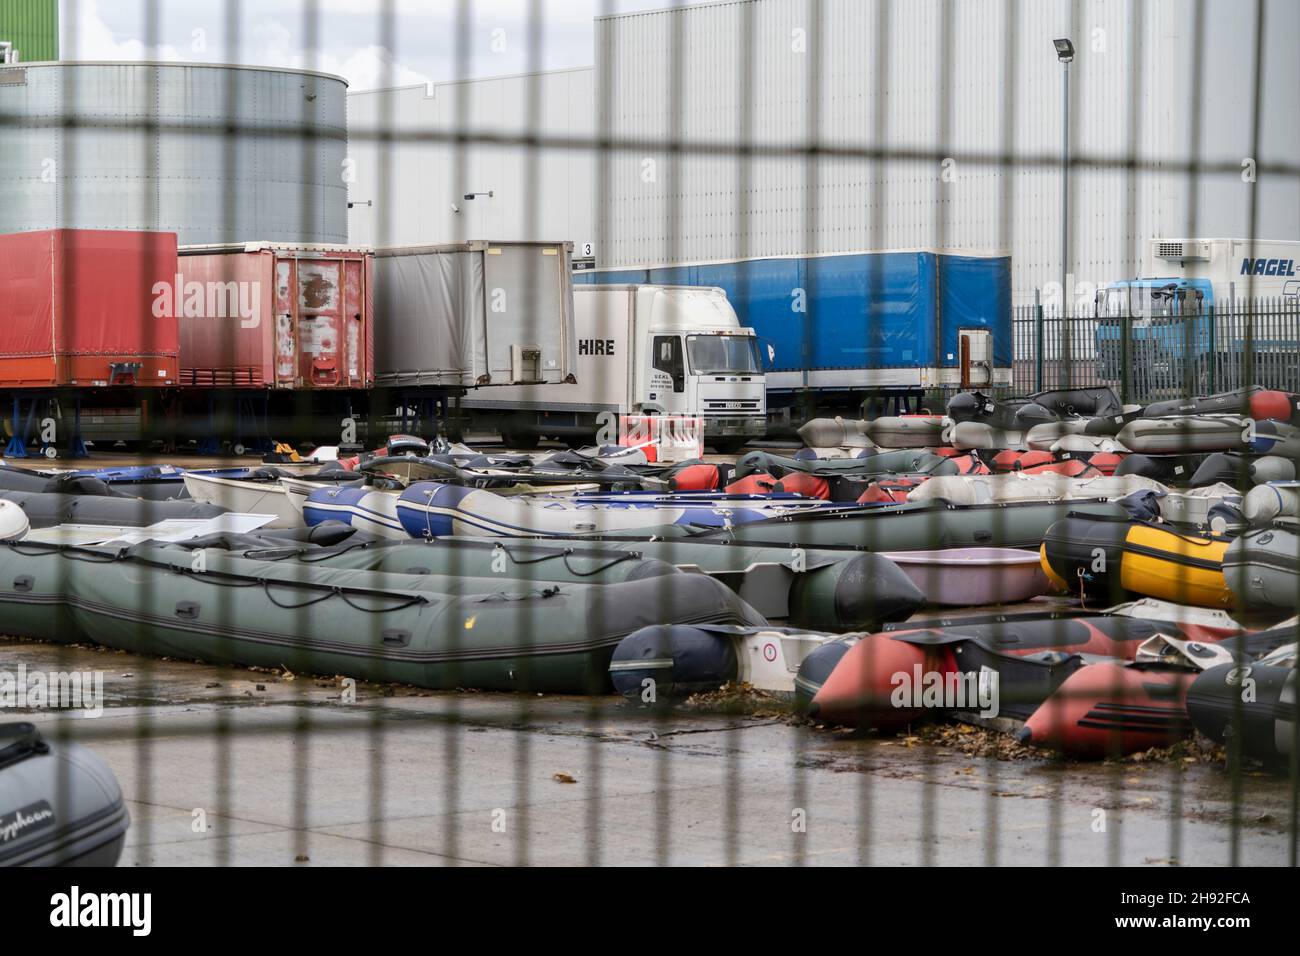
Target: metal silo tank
213	153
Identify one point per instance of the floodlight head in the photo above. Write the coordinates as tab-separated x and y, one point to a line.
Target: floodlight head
1064	50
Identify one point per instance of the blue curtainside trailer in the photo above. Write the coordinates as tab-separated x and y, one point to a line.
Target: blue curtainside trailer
840	328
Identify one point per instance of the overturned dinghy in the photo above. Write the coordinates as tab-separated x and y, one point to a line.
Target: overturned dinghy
435	632
1172	436
1112	559
60	805
966	577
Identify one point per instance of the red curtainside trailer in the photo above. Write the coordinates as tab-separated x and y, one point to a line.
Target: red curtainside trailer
80	307
271	315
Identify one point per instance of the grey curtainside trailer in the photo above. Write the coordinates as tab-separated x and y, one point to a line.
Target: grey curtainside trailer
472	314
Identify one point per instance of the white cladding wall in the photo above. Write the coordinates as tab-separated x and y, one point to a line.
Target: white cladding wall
1005	95
538	195
1134	88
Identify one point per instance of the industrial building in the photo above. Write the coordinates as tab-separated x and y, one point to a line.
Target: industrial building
213	153
29	30
941	126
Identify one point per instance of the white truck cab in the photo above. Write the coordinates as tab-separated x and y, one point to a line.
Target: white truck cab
643	350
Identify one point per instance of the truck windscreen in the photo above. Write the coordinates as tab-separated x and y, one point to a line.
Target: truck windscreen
723	354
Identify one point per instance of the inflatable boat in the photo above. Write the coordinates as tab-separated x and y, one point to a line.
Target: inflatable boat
914	526
680	660
1262	720
255	494
60	805
1262	567
1110	710
435	632
44	510
917	462
1024	486
835	590
1109	559
1187	434
431	509
1277	499
1254	402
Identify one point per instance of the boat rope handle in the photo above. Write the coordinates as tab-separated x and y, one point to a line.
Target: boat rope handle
546	592
565	556
340	593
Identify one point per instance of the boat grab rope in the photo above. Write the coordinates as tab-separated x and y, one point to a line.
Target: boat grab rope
546	592
565	556
340	593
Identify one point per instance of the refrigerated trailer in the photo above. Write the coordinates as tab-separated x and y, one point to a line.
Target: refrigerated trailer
641	350
840	328
1177	323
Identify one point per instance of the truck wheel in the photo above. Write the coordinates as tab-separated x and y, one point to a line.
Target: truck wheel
727	446
522	441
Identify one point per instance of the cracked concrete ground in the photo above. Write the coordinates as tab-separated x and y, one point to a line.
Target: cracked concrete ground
234	766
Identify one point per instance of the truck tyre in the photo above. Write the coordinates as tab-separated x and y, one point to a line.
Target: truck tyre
727	446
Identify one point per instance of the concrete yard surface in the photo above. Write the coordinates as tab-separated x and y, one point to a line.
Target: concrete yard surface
236	766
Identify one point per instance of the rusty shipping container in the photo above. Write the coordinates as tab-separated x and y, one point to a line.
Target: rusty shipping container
271	315
86	307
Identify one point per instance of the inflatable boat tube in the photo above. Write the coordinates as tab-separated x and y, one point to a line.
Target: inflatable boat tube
1236	402
1263	568
47	510
662	662
818	665
1110	559
914	526
835	433
13	522
411	629
1172	436
1110	710
981	435
60	805
430	509
1276	438
22	479
1278	499
369	511
1263	719
885	683
1086	402
906	431
835	590
1221	467
1272	468
1106	462
894	462
1021	486
1167	469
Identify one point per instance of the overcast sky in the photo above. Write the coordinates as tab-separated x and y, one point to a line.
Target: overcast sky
348	36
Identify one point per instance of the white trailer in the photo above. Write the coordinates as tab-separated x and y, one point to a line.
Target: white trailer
642	350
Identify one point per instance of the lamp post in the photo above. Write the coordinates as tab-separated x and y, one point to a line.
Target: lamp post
1065	53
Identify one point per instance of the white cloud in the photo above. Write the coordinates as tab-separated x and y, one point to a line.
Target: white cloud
88	37
365	68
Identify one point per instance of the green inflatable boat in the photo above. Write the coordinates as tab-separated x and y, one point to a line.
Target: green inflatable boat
810	588
429	630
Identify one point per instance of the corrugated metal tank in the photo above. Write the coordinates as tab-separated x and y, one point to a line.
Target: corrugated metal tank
146	146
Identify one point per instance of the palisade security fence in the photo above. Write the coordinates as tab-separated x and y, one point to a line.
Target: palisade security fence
1145	359
415	700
